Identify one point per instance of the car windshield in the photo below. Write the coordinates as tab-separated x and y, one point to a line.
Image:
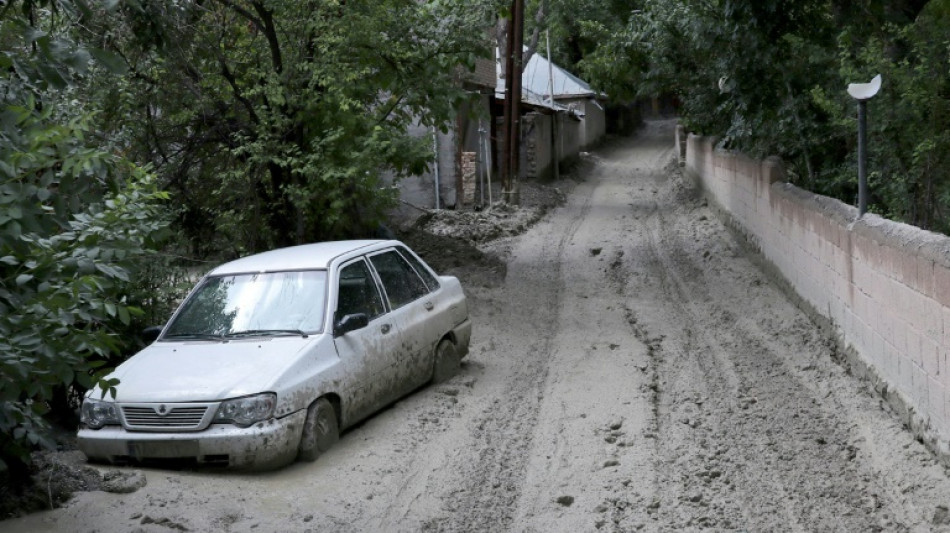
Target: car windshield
270	303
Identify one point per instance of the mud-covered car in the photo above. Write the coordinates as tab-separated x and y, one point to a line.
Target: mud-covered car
270	356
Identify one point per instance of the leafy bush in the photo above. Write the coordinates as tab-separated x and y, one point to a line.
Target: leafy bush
275	125
909	121
62	282
769	78
76	219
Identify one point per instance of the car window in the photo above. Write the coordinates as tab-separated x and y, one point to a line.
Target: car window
431	281
358	292
401	282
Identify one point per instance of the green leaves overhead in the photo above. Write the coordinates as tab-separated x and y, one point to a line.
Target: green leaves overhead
769	77
275	122
75	217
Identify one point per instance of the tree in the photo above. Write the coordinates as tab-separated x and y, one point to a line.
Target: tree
909	135
273	122
75	217
768	78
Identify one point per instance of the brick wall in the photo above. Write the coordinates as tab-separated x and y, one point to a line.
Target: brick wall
883	286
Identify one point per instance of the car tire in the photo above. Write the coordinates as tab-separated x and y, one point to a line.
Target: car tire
320	431
446	361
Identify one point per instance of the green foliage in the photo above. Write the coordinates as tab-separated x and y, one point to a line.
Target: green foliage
909	121
768	77
75	220
577	27
272	123
276	122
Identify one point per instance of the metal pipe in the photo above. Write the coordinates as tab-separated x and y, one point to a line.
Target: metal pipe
509	100
435	144
556	156
547	38
482	158
491	162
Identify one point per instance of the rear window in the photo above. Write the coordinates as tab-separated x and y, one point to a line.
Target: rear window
431	281
400	280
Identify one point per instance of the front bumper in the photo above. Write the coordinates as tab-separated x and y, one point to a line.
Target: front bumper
267	444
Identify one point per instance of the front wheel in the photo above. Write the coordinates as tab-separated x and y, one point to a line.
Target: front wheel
446	361
320	431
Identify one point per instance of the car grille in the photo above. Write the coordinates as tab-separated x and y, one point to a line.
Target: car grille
163	417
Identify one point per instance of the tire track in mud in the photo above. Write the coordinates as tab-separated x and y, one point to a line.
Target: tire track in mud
742	440
708	357
490	484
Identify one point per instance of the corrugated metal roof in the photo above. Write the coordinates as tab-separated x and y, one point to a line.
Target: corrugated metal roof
534	85
566	85
536	75
532	98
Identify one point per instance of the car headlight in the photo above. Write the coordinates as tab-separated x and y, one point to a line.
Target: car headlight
247	410
98	413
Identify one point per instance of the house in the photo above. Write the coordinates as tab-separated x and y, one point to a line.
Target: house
543	77
554	131
461	152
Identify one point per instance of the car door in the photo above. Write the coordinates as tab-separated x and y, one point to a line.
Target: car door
439	322
367	354
410	310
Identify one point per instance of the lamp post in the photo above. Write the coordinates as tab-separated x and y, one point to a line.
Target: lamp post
862	92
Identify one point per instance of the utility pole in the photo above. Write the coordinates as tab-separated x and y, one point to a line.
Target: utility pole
555	137
513	67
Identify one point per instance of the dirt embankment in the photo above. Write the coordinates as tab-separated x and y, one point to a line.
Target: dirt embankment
631	369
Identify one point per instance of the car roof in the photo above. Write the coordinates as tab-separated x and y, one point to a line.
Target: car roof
304	257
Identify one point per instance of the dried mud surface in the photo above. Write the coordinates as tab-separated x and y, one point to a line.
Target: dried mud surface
632	369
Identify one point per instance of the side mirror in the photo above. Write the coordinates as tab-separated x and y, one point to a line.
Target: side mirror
350	323
151	333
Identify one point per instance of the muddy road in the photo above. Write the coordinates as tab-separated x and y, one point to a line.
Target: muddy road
634	370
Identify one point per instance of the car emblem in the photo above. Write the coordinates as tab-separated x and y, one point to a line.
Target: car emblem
162	410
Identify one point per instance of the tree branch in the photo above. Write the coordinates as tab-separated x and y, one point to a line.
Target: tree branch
539	21
270	33
244	13
232	81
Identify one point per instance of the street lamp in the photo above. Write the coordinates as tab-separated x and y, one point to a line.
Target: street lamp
862	92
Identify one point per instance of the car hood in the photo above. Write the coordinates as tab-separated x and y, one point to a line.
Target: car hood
208	371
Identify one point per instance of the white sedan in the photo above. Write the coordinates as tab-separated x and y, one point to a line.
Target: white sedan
270	356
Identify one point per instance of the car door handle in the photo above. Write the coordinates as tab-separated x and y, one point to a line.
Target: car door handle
385	328
429	306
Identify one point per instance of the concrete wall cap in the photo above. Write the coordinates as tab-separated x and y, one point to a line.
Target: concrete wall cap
834	209
909	239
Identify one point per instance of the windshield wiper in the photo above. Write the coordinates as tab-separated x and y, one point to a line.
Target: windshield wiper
203	336
253	332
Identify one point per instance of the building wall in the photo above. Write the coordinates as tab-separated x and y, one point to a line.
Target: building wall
462	135
537	143
593	125
415	192
538	160
883	286
572	137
